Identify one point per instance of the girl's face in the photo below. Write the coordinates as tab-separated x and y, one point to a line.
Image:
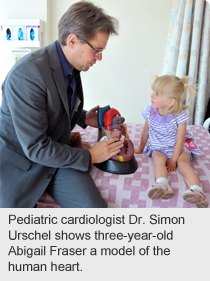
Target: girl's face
163	101
159	100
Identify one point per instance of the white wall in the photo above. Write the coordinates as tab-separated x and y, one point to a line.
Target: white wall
123	78
19	9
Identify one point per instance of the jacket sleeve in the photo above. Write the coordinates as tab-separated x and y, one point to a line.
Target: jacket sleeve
42	136
81	121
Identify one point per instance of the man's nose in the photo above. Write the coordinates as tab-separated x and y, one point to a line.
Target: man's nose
99	56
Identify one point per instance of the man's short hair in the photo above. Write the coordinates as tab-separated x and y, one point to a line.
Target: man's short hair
84	19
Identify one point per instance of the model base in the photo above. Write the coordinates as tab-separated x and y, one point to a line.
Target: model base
116	167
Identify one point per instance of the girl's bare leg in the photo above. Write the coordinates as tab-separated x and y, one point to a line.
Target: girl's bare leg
159	160
162	189
190	176
195	195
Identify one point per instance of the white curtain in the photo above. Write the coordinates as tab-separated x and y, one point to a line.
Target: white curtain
188	51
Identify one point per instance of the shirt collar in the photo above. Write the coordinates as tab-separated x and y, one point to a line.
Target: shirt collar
67	69
160	119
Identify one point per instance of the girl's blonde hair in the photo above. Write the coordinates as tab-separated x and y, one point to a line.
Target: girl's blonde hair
177	91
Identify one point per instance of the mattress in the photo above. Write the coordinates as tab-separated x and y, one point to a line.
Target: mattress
130	191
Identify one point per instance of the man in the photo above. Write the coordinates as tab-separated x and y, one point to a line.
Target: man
42	100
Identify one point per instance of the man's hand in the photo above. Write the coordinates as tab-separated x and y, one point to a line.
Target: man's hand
103	150
91	117
124	130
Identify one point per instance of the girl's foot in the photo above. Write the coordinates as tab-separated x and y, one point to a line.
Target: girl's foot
195	197
160	191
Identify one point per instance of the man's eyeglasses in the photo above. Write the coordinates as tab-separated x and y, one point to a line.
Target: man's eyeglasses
96	51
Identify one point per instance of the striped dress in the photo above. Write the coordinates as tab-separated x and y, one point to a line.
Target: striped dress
163	133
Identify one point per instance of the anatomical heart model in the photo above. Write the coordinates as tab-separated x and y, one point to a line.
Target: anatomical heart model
111	125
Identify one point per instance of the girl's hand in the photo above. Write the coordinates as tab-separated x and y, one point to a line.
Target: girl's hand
143	140
171	165
137	151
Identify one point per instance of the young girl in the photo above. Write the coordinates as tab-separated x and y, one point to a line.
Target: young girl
171	144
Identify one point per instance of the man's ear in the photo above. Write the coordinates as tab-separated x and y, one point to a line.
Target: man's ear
171	102
72	39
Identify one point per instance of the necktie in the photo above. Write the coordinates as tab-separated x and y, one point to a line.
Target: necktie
69	94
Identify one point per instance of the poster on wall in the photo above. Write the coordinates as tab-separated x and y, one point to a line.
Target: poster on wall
14	55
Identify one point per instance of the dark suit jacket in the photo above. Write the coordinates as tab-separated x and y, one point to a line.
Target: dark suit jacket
35	128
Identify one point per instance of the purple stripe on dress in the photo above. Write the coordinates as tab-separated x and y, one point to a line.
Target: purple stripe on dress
163	132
